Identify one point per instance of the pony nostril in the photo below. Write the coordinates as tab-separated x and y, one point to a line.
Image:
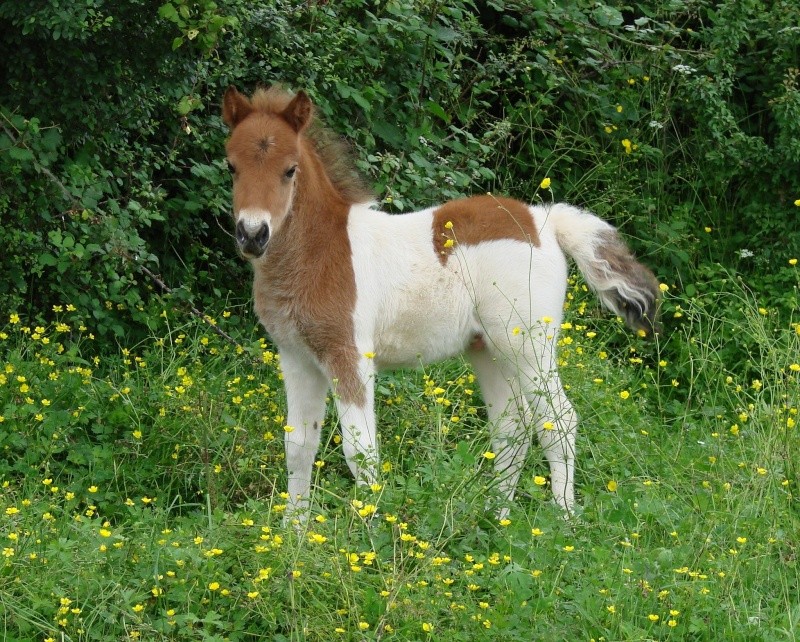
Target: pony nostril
241	234
252	241
262	236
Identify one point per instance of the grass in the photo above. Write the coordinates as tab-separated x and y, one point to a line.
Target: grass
141	493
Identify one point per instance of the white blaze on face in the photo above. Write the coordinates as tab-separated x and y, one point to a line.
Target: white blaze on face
253	218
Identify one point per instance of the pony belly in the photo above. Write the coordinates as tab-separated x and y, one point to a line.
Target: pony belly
430	326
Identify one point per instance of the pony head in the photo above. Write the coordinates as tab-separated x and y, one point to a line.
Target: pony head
264	154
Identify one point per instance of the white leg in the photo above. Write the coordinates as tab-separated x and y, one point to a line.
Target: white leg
508	417
553	416
306	387
357	420
526	366
556	426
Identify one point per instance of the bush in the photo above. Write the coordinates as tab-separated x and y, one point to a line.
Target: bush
659	116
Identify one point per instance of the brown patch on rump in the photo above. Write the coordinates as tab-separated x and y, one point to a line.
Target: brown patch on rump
481	218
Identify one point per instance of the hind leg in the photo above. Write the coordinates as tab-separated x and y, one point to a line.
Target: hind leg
508	418
525	369
556	427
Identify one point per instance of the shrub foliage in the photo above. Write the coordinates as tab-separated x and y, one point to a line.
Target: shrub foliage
668	117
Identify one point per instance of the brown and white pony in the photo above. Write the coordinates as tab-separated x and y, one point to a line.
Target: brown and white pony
345	290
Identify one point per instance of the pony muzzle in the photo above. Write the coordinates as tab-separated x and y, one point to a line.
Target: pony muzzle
252	239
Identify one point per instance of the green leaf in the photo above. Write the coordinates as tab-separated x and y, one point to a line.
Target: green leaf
361	101
169	12
20	154
437	110
607	16
47	259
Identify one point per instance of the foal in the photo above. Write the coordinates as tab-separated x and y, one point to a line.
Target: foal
345	290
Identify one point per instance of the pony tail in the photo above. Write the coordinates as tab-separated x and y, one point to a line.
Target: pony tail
623	285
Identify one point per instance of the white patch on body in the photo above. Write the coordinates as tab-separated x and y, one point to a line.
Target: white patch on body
412	309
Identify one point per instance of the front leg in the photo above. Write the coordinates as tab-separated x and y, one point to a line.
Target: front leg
355	402
306	386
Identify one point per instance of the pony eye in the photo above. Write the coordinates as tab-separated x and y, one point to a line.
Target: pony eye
291	171
231	168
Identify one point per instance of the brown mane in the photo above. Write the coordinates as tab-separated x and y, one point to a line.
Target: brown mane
334	152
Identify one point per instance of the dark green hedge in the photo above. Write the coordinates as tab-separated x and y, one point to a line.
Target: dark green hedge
669	118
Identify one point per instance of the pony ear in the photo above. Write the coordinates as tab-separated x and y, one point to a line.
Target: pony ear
299	112
235	107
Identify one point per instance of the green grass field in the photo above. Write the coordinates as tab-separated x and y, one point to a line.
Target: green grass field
141	492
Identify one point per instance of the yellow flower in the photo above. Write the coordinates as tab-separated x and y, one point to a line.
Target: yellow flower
138	608
653	617
489	455
448	225
369	355
663	287
624	394
612	486
548	425
316	538
427	627
539	480
545	184
797	202
792	262
536	532
363	626
449	243
213	586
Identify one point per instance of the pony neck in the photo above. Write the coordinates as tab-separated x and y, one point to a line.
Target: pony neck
316	193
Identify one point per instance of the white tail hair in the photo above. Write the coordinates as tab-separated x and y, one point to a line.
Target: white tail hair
622	284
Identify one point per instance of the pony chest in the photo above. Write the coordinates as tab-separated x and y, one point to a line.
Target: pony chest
293	313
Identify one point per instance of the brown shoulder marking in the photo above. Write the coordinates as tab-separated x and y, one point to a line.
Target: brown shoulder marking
473	220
